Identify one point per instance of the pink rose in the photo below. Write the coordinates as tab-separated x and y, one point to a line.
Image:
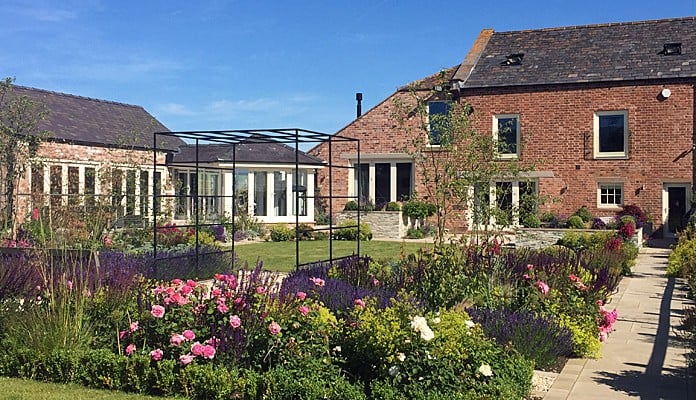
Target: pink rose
122	334
185	359
530	267
274	328
215	292
176	282
235	322
157	311
525	276
191	283
260	290
197	349
156	354
35	214
208	351
130	349
543	288
317	281
69	285
134	326
301	295
177	339
186	290
304	310
189	335
359	303
222	308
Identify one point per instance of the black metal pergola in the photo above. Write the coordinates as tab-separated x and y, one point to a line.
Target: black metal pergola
291	137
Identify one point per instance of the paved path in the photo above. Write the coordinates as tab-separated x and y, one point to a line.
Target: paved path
644	357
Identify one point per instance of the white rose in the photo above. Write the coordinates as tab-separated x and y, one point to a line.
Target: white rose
485	370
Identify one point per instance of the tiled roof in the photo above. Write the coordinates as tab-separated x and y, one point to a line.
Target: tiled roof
257	153
84	120
590	53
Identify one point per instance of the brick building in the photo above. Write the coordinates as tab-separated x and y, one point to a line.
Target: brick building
101	151
606	113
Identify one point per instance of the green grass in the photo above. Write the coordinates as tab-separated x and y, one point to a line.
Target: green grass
280	256
20	389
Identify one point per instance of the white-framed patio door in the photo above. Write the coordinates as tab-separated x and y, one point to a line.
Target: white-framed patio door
676	200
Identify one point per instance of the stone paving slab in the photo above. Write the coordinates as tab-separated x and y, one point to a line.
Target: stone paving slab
644	358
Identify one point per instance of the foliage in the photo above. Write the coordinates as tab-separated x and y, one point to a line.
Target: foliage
462	158
392	206
531	221
584	213
304	232
281	233
351	205
20	138
349	230
598	223
682	259
575	222
419	209
639	216
536	337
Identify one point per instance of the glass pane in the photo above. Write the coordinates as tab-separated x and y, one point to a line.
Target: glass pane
300	192
382	184
503	195
90	188
37	185
144	193
117	192
241	190
56	185
507	135
73	185
482	206
361	181
156	193
260	191
438	115
130	193
280	193
181	195
404	186
611	133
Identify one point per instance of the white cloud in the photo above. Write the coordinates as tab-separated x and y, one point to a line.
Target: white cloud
176	109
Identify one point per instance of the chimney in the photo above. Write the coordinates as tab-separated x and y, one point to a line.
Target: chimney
358	98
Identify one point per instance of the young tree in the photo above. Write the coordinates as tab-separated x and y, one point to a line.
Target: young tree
455	163
20	138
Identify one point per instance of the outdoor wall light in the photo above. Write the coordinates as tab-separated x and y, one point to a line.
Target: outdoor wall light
664	94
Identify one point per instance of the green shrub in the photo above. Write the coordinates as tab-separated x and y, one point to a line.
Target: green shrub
205	238
393	206
682	260
419	209
585	333
531	221
304	232
281	233
415	233
314	381
348	230
351	206
548	217
575	222
584	213
214	382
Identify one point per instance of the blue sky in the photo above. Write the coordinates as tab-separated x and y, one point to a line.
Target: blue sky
202	65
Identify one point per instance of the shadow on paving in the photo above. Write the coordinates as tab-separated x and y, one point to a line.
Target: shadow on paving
653	384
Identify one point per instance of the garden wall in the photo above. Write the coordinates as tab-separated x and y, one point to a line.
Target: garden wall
542	237
384	224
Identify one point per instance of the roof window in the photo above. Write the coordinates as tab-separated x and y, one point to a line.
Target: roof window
513	59
671	49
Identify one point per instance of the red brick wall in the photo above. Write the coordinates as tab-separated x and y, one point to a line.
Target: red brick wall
556	128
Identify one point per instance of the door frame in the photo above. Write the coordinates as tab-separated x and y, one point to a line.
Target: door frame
665	204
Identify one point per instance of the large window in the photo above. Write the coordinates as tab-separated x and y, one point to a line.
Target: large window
506	133
382	182
299	189
611	134
502	203
56	178
610	195
438	121
241	191
280	194
260	193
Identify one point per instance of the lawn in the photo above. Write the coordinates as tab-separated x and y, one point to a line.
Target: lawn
280	256
20	389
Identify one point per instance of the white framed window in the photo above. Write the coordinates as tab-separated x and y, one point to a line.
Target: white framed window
438	118
382	181
506	134
502	203
609	195
611	134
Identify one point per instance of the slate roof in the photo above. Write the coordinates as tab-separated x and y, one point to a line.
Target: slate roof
87	121
590	53
258	153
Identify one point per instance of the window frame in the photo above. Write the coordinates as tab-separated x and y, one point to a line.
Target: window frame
613	155
610	185
496	136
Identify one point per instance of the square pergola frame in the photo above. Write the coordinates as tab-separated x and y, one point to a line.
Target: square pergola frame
293	137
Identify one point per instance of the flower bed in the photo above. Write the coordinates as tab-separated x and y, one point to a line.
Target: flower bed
420	327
